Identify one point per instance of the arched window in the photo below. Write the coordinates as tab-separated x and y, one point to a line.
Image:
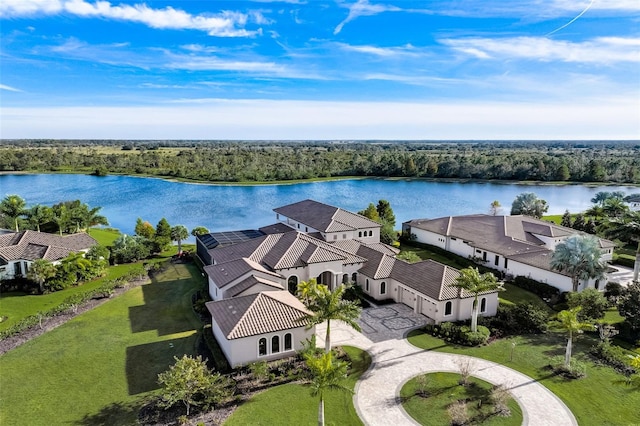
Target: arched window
288	342
354	277
447	308
597	284
366	285
275	344
262	347
483	304
360	234
292	284
383	288
345	278
370	233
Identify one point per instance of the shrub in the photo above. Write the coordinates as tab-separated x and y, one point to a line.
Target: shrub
576	369
612	291
613	356
543	290
593	304
459	333
458	413
477	338
524	318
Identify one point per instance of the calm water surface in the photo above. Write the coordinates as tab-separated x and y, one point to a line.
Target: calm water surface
223	207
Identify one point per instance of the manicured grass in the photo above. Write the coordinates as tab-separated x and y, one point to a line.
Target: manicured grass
612	316
514	295
601	398
17	305
443	390
96	368
292	404
451	259
104	236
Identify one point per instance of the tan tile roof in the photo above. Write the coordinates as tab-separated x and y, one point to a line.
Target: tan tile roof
255	314
224	274
32	245
289	250
325	218
251	281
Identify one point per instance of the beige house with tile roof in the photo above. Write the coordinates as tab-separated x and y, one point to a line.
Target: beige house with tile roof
18	250
513	245
250	274
261	326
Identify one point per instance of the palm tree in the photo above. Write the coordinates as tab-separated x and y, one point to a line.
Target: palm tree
40	271
327	305
179	233
13	206
39	215
569	322
579	256
626	228
614	207
472	281
325	374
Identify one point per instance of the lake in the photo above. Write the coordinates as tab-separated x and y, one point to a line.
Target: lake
231	207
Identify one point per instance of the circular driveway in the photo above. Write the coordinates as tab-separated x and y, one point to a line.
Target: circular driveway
395	361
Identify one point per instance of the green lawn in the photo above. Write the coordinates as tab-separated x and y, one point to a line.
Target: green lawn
514	295
292	404
96	368
17	305
449	259
601	398
443	389
104	236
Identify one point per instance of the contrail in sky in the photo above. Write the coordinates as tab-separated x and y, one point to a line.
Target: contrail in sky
574	19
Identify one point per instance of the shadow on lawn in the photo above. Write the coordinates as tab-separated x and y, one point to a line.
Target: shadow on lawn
112	414
161	300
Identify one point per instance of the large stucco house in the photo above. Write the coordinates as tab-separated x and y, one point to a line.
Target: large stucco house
513	245
18	250
313	240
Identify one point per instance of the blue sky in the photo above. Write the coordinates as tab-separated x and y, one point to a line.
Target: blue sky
320	69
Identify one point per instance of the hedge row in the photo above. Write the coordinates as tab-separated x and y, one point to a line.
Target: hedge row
627	261
613	356
461	334
545	291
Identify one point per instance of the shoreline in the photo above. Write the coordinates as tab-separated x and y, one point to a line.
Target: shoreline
336	178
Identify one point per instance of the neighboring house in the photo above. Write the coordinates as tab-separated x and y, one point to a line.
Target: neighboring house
18	250
513	245
634	202
261	326
314	240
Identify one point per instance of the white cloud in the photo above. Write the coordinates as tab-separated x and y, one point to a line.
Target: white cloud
364	8
406	50
9	88
223	24
619	5
602	118
603	50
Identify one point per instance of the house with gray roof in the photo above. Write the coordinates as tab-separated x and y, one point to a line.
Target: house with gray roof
513	245
18	250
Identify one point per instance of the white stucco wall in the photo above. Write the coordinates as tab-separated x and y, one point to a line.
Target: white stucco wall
245	350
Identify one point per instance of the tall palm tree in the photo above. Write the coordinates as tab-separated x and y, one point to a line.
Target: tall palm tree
326	374
13	206
39	215
626	228
615	207
179	233
570	323
472	281
40	271
328	305
579	256
199	230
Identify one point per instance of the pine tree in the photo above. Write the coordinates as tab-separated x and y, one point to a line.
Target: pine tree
566	219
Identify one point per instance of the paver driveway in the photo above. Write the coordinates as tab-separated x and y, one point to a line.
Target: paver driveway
395	361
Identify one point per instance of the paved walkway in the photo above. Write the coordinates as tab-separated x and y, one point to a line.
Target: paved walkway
622	275
395	361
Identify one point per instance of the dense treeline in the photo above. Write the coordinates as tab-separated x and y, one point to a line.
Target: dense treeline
617	162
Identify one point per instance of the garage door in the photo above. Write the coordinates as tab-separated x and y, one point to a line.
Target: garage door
407	297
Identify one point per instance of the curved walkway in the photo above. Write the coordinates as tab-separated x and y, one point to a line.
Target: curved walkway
396	361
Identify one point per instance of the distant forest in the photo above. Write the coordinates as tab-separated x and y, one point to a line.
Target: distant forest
266	161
